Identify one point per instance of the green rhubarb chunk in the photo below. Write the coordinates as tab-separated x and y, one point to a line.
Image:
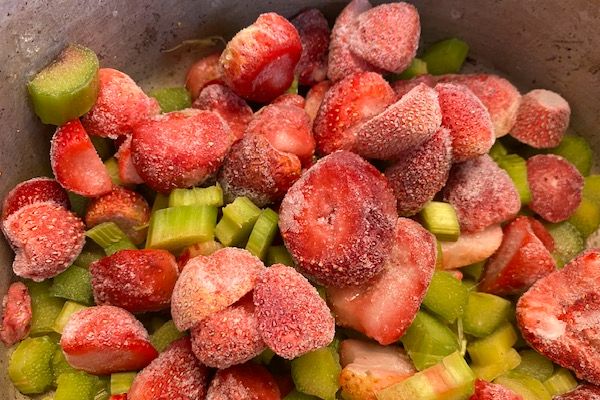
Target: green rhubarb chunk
120	382
76	385
67	87
112	167
177	227
446	296
474	271
427	341
103	389
296	395
577	151
516	167
484	313
172	98
493	347
489	372
586	217
279	255
416	68
591	188
69	308
498	151
165	335
568	242
160	202
265	357
103	146
208	196
525	385
446	56
317	373
45	308
106	234
560	382
293	89
263	233
440	219
60	365
123	244
535	364
91	252
73	284
30	365
78	204
238	220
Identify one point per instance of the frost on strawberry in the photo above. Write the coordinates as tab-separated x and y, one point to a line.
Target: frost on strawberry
314	98
401	87
313	29
204	72
127	172
16	314
244	382
492	391
471	248
583	392
290	99
36	190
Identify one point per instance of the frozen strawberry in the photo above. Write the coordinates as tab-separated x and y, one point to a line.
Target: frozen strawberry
36	190
492	391
542	119
127	172
121	104
583	392
16	314
292	318
211	284
136	280
471	248
75	163
175	375
46	237
421	172
387	36
126	208
243	382
122	396
257	170
314	35
258	63
106	339
385	308
497	94
228	337
197	249
558	316
353	100
481	193
369	367
232	108
179	149
314	98
520	261
405	124
290	99
542	233
202	73
338	220
401	87
467	119
556	187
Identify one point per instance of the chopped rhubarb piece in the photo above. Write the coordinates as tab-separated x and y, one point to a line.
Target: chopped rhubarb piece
127	172
401	87
314	98
314	35
105	339
121	104
492	391
244	382
583	392
36	190
338	220
202	73
290	99
16	314
471	248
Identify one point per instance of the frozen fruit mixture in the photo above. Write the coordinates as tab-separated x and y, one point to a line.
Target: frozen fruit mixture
324	211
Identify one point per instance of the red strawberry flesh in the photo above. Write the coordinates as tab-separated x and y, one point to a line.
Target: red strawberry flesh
202	73
243	382
36	190
16	314
314	35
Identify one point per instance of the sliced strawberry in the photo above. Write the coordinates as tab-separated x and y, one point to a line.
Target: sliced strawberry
228	337
520	261
36	190
136	280
558	316
421	172
211	284
401	87
471	248
292	318
542	233
385	308
468	120
127	172
369	367
542	119
491	391
407	123
232	108
583	392
353	100
314	35
314	98
243	382
121	104
556	187
175	374
76	164
16	314
46	237
338	220
258	63
106	339
202	73
290	99
179	149
387	36
482	194
126	208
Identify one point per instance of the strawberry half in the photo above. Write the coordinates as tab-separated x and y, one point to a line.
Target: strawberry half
583	392
471	248
36	190
75	163
491	391
202	73
106	339
314	98
243	382
314	35
127	172
403	86
16	314
290	99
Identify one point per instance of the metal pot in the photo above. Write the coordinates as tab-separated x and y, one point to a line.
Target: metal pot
549	44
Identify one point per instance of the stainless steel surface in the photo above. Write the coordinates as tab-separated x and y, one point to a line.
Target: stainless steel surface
551	44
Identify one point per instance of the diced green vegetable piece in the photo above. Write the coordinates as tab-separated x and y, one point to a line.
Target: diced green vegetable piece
561	382
516	167
120	382
105	234
263	233
446	56
78	203
474	270
206	248
489	372
296	395
535	364
177	227
91	252
591	188
66	88
112	167
103	389
441	220
497	151
238	219
568	242
124	244
172	98
76	385
317	373
446	296
208	196
484	313
417	67
60	365
493	347
439	257
69	308
293	89
165	335
103	147
577	151
586	217
427	341
525	385
161	201
30	365
265	357
44	307
73	284
279	255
